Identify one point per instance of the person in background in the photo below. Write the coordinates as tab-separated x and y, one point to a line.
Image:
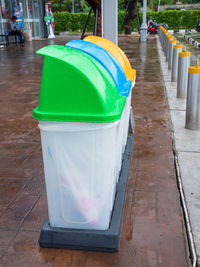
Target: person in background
13	30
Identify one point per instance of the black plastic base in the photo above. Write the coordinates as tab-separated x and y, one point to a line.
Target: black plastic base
93	240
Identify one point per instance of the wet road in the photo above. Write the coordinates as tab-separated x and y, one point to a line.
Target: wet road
152	231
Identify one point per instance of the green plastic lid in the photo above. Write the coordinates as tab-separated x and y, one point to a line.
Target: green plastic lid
76	87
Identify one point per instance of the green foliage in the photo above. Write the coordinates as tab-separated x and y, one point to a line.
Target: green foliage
65	21
187	19
121	4
66	6
176	19
153	4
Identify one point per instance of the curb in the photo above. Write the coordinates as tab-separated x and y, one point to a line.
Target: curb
192	41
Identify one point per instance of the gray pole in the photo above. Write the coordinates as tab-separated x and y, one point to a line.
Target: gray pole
109	20
170	55
177	49
182	80
167	48
143	28
162	33
193	98
72	6
159	5
165	42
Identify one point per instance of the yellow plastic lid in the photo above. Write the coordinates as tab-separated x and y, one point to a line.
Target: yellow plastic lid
170	37
195	69
116	52
163	29
184	53
178	46
173	42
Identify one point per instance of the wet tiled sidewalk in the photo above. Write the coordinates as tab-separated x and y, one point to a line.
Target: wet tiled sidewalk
153	230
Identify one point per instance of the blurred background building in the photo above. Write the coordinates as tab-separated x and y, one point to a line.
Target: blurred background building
30	14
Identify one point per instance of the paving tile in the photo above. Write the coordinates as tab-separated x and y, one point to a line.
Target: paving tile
18	173
34	161
12	149
9	188
17	211
169	208
163	239
150	179
184	136
22	251
36	217
12	161
36	185
6	237
2	209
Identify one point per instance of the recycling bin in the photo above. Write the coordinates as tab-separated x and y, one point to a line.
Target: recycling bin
130	73
79	111
123	85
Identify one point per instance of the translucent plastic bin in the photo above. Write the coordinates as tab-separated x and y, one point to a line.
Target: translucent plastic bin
79	112
79	163
119	147
122	135
126	118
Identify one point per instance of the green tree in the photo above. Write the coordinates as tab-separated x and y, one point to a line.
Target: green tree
131	6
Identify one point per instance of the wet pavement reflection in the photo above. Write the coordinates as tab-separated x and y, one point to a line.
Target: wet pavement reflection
152	231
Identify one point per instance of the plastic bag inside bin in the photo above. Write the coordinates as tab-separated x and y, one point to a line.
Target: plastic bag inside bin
79	163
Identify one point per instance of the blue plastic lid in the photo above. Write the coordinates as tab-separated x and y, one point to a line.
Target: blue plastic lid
108	61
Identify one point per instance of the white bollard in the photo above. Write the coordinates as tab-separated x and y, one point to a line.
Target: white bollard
182	79
193	98
170	54
165	43
176	49
169	38
162	36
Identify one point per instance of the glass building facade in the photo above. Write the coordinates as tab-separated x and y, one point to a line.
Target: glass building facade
30	15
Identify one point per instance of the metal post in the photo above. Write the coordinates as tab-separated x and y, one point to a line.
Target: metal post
170	38
143	28
159	5
110	20
165	42
193	98
176	49
161	35
182	79
72	6
163	32
170	55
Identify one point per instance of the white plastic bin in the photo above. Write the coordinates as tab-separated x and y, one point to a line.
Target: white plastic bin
126	119
79	163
